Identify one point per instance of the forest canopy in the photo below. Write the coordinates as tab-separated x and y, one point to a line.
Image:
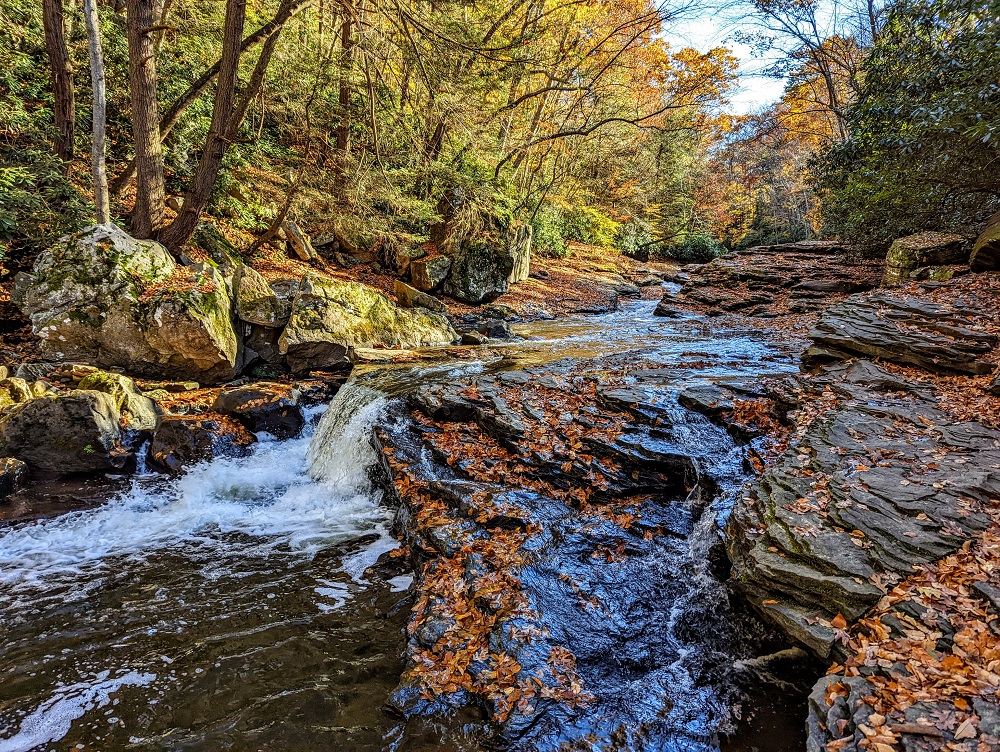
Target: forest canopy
371	121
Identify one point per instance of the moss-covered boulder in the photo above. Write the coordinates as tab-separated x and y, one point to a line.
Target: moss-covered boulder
75	432
105	298
480	271
921	250
139	412
256	302
14	391
329	318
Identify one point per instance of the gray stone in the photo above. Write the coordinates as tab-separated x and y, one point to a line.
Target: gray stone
428	275
77	432
802	550
902	330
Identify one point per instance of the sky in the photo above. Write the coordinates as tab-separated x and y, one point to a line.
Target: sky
707	31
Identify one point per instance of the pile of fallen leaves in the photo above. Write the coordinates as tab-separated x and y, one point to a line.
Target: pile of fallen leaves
933	639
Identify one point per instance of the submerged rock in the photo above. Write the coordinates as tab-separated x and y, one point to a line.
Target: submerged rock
105	298
329	318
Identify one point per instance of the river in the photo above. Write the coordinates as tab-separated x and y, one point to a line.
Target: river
249	605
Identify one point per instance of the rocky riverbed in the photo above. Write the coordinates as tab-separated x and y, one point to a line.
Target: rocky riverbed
637	532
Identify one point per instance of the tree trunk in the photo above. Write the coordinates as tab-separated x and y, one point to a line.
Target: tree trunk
64	106
148	212
287	10
97	84
182	228
344	100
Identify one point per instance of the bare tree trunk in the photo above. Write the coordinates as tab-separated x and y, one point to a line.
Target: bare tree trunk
64	106
344	100
182	228
148	212
97	84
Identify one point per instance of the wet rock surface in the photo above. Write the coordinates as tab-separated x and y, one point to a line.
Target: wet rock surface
263	406
770	281
181	441
551	515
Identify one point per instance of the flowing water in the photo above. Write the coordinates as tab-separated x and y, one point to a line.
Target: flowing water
248	604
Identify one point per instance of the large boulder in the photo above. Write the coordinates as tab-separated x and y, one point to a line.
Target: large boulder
75	432
921	250
256	302
429	274
330	317
480	271
986	250
105	298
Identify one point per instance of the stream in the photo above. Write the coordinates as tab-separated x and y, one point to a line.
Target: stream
249	605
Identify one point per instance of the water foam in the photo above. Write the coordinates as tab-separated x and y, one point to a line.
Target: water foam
52	720
284	496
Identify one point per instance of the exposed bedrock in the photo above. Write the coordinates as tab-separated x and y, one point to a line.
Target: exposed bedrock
880	480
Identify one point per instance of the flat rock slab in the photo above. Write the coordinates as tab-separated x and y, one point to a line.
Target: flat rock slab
880	480
902	330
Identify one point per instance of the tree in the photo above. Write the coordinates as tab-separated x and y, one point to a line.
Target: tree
101	201
61	68
148	214
923	150
220	132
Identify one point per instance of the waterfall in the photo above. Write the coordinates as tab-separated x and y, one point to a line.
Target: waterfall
340	452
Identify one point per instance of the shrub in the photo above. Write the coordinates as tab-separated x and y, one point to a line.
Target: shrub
547	233
697	248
